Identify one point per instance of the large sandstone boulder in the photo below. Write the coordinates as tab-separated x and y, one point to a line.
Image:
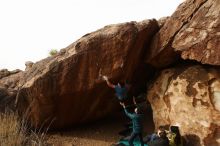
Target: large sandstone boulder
9	81
199	39
192	32
67	88
189	97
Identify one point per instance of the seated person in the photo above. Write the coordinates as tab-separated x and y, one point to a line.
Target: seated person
155	135
159	140
174	136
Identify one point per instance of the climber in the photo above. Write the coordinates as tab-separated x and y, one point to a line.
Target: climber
155	135
136	118
121	89
174	136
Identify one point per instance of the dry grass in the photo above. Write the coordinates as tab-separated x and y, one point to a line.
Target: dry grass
15	132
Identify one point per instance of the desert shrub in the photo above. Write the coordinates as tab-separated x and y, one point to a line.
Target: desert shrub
15	132
53	52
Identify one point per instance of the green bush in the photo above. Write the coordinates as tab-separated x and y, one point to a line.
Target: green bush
53	52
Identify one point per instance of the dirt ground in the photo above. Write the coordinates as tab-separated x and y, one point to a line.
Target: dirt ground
101	133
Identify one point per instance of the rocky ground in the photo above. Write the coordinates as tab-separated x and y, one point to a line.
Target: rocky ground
102	133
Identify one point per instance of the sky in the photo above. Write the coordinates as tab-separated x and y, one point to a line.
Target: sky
29	29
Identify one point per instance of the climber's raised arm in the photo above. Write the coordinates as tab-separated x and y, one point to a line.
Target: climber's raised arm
108	82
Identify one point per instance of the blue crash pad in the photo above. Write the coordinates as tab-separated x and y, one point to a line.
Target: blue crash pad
125	142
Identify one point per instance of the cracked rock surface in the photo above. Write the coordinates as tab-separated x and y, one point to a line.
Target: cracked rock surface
192	32
189	96
199	39
9	81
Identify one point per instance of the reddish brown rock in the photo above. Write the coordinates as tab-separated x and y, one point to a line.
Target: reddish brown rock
162	21
8	88
28	65
190	98
199	39
4	73
192	32
67	88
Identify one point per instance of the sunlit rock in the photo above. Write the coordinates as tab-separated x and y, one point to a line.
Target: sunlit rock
188	96
192	32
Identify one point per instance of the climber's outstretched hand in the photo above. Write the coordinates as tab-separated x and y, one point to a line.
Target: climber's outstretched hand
105	78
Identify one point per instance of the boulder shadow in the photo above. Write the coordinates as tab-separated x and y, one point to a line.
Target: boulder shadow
191	140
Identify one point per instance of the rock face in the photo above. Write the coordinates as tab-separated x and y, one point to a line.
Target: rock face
188	96
6	73
162	21
199	39
67	88
8	88
192	32
28	65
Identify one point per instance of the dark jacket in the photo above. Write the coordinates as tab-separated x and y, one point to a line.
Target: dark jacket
136	121
121	92
159	142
